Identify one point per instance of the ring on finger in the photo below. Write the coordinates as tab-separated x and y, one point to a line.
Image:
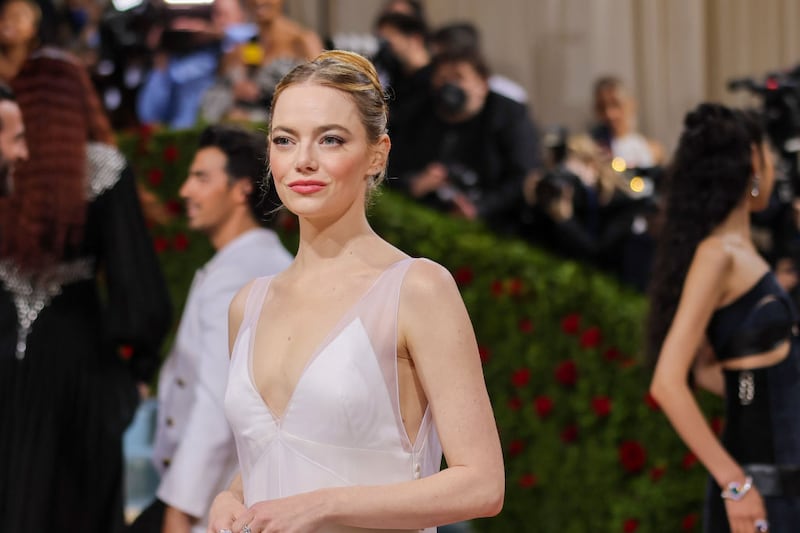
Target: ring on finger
246	529
762	525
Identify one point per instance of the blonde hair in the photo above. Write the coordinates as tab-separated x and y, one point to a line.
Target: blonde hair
350	73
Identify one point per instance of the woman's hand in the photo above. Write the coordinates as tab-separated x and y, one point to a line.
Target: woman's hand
296	514
743	514
225	509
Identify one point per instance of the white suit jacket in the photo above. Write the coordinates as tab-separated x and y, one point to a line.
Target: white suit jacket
194	449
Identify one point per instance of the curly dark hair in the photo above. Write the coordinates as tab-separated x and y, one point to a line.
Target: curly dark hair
708	177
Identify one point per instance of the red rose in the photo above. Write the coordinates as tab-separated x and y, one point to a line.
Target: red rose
630	525
651	402
125	351
591	338
571	323
180	242
611	354
484	353
689	522
155	177
632	456
171	153
515	287
601	405
174	207
289	223
527	481
717	424
160	244
521	377
515	404
464	276
497	288
543	406
516	447
146	131
525	325
657	472
689	460
567	373
569	434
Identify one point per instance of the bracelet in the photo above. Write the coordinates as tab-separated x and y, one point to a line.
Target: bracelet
736	490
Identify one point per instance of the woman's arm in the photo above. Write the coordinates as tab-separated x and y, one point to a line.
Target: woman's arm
702	292
436	329
439	336
227	507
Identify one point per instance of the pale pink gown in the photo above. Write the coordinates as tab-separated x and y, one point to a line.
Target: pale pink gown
342	425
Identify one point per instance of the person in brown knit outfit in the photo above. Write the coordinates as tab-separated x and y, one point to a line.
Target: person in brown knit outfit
83	309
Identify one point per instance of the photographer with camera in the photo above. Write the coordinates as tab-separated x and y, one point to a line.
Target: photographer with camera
583	209
472	148
616	130
251	71
404	59
187	50
777	227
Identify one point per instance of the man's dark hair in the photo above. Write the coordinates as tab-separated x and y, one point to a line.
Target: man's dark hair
407	25
6	94
457	37
246	155
471	57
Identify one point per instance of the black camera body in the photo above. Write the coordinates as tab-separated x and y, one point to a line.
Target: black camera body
780	97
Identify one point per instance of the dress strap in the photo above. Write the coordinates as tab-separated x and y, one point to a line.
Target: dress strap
255	301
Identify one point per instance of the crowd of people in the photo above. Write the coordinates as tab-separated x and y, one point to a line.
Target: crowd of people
465	139
320	391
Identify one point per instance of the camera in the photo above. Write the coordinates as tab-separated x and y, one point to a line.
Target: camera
553	185
450	99
780	96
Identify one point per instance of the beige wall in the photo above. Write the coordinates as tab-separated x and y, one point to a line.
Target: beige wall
674	53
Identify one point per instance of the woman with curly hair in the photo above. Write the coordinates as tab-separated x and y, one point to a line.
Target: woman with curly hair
719	320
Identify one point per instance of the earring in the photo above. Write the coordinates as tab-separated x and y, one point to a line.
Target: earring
754	189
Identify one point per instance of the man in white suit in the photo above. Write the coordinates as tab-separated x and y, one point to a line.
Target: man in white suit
194	449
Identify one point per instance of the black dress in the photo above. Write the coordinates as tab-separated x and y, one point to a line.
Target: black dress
74	340
762	416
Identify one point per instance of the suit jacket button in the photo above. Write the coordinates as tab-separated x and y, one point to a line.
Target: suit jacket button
170	422
166	463
180	382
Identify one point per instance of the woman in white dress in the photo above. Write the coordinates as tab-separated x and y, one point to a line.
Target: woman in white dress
353	369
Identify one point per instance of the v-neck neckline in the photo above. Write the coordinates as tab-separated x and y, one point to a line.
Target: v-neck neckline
343	321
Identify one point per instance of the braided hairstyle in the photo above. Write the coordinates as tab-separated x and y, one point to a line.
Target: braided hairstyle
709	177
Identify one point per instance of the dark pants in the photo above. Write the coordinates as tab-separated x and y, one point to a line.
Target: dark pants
150	520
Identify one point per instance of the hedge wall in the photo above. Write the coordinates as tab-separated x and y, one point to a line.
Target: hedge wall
586	448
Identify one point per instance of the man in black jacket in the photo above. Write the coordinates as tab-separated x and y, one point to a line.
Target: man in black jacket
471	148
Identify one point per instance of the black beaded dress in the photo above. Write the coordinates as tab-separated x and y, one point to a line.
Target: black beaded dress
75	337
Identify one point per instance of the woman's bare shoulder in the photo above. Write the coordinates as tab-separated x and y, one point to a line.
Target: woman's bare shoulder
427	281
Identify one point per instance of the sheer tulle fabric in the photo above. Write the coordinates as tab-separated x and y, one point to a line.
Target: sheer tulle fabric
342	425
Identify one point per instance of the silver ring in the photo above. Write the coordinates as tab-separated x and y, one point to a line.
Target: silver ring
246	529
762	525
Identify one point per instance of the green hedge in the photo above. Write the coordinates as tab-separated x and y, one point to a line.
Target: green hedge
586	449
